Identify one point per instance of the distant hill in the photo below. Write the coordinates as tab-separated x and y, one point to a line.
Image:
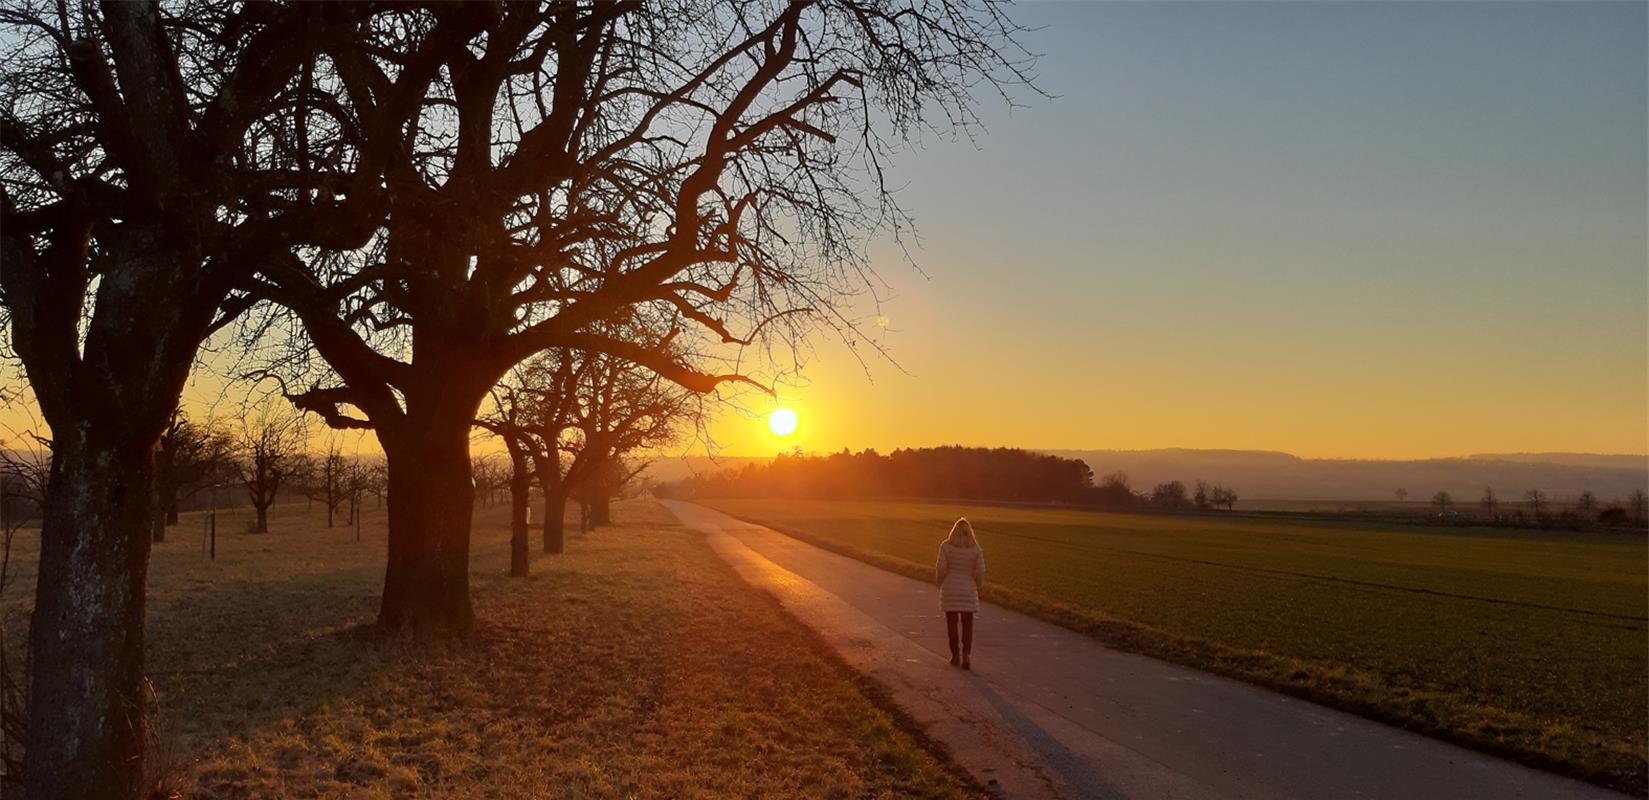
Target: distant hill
667	469
1258	474
1269	475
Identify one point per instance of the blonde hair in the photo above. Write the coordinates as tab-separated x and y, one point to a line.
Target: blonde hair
962	526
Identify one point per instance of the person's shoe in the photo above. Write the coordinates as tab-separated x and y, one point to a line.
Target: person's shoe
955	659
967	663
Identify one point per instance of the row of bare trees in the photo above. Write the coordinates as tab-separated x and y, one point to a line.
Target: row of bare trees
1585	506
430	194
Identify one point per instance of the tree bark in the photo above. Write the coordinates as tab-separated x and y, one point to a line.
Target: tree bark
601	510
86	729
263	519
431	499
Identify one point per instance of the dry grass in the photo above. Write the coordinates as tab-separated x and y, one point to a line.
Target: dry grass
634	665
1528	645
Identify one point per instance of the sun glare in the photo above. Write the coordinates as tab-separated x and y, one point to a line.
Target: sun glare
782	422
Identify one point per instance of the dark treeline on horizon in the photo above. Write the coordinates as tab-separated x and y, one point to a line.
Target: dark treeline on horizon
952	472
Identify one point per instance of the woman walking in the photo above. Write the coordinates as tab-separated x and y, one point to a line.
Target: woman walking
960	570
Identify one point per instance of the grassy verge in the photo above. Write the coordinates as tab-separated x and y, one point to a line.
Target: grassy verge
635	665
1549	687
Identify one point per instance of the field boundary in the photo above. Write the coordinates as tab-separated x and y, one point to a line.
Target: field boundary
1498	732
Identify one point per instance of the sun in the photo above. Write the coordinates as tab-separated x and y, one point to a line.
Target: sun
782	422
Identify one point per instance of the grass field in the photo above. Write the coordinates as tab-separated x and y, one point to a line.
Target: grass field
1532	645
635	665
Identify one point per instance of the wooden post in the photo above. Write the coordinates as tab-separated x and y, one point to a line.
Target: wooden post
214	535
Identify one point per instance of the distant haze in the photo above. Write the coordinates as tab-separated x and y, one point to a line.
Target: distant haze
1280	476
1259	474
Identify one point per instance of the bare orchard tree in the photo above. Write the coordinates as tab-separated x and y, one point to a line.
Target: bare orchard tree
489	475
1169	495
269	454
1489	502
621	409
1639	503
508	421
24	477
554	166
1537	501
191	456
136	191
1225	496
1442	500
1586	503
327	479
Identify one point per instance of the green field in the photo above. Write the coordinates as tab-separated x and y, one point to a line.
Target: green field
1529	645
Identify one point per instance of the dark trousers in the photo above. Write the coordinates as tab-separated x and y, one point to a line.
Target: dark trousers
966	617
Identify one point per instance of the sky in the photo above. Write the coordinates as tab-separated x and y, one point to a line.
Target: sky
1345	230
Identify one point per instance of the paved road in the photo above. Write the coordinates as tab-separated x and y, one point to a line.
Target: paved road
1052	713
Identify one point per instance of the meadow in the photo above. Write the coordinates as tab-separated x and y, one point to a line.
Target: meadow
637	664
1529	645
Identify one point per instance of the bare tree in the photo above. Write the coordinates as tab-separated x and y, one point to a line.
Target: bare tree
190	457
327	479
1442	500
135	194
269	454
1169	495
489	475
508	421
1639	503
24	478
1201	498
621	409
1536	499
1225	496
1586	503
1402	495
1489	501
556	166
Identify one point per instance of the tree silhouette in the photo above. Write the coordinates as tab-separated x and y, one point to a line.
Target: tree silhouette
1586	503
191	456
1442	500
136	193
269	455
1537	500
555	167
1489	501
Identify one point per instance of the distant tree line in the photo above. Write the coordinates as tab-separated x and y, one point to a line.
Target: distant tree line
959	473
1537	509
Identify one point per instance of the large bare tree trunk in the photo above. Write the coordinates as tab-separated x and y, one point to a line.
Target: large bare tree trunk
86	729
431	498
601	509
